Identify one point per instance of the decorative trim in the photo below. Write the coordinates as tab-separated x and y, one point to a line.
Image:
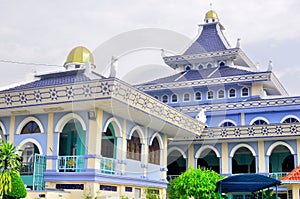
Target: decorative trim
104	89
243	105
265	76
29	119
65	119
249	132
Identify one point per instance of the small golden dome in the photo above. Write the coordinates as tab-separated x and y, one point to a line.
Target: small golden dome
80	54
211	15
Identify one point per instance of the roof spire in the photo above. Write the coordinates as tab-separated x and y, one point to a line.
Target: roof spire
211	16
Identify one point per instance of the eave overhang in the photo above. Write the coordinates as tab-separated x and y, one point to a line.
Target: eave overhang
111	95
235	54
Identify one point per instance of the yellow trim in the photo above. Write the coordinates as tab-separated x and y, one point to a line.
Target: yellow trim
50	139
298	150
94	139
191	156
165	157
124	145
256	88
12	129
224	158
242	118
261	157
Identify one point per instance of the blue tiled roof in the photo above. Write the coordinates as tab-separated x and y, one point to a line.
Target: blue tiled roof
208	41
53	79
200	74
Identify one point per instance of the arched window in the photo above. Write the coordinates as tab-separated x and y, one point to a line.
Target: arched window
245	92
174	98
210	95
259	122
31	127
200	66
109	142
227	124
222	64
290	120
209	65
154	152
188	68
186	97
134	147
155	96
198	96
232	93
28	153
165	99
221	94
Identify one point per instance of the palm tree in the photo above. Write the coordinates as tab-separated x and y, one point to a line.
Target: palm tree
10	163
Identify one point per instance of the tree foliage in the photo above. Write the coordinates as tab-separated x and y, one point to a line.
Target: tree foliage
18	188
197	183
9	166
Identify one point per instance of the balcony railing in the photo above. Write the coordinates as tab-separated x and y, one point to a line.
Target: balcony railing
26	168
278	175
107	165
70	163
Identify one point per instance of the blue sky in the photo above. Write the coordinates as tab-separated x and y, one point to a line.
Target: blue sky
45	31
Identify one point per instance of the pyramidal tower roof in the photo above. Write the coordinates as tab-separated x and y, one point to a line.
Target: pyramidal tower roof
211	38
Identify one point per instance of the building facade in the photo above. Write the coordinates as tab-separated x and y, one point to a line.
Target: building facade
91	135
252	125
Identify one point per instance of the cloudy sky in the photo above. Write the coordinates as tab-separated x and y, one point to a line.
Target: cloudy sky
35	31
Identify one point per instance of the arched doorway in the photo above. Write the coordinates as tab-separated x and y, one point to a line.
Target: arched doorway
28	161
27	157
281	161
243	161
72	141
109	142
208	159
176	164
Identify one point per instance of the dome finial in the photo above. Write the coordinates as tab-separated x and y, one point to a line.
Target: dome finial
211	16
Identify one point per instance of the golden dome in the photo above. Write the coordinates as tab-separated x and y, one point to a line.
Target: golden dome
211	15
80	54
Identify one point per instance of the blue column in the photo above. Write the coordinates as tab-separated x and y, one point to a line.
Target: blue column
229	166
267	159
295	160
256	164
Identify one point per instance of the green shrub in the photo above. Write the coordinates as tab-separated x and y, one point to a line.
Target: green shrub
18	188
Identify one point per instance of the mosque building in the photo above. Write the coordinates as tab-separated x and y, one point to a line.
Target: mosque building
85	134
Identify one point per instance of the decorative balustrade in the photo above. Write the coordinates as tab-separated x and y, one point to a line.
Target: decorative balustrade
278	175
107	165
26	168
70	163
250	131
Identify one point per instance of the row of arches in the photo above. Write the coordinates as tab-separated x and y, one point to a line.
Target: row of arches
289	119
72	138
210	95
242	159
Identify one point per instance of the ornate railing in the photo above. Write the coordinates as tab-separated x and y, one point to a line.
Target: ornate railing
26	168
278	175
250	131
107	165
70	163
